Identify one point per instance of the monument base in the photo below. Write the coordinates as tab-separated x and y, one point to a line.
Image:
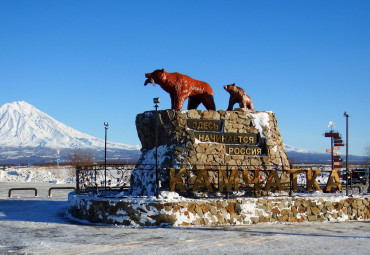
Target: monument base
173	211
197	139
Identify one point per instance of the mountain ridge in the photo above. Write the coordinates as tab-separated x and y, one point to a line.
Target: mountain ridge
28	135
22	124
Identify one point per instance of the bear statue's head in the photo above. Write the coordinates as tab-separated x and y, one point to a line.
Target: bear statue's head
230	87
154	77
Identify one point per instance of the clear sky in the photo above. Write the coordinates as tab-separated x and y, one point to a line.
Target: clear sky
83	62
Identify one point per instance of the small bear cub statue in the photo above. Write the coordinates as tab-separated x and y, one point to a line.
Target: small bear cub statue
238	95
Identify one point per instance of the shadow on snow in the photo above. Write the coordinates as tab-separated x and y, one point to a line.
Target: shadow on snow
34	211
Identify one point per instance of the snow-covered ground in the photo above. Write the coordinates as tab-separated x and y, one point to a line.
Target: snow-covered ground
30	225
40	227
56	175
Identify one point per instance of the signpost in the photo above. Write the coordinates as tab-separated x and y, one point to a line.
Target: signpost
335	142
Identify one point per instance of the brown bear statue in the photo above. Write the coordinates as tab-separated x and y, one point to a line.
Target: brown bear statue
180	87
238	95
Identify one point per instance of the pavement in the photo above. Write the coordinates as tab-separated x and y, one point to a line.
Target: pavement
42	190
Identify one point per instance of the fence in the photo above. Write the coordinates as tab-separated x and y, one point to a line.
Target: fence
99	177
12	189
205	180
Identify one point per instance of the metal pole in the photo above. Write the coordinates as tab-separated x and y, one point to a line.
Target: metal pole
156	102
105	156
332	153
156	150
347	171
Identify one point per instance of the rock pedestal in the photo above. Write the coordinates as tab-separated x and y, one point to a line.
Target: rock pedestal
215	212
200	139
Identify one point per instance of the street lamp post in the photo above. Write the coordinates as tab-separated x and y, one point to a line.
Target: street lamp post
156	101
347	172
105	155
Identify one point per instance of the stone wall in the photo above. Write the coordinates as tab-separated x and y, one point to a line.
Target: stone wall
179	147
241	211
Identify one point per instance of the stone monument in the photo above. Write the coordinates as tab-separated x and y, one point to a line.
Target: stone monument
197	139
211	154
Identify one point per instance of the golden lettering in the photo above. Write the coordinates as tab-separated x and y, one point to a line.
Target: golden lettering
202	181
229	180
228	183
230	151
293	178
235	150
205	125
242	151
201	138
270	183
255	180
333	181
176	180
218	138
254	151
206	139
229	139
311	180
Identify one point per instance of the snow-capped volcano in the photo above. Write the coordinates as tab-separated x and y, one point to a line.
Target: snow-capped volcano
22	125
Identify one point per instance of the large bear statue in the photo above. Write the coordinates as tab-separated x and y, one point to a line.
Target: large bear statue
180	87
238	95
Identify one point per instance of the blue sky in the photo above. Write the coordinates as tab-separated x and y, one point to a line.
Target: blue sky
83	62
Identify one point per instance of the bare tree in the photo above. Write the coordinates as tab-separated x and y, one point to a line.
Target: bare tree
81	157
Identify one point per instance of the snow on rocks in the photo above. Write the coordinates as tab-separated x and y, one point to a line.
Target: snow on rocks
143	180
171	209
261	122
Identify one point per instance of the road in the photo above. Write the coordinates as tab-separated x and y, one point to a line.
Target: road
40	225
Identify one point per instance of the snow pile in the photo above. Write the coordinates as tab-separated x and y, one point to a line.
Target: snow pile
261	122
170	196
143	180
55	175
